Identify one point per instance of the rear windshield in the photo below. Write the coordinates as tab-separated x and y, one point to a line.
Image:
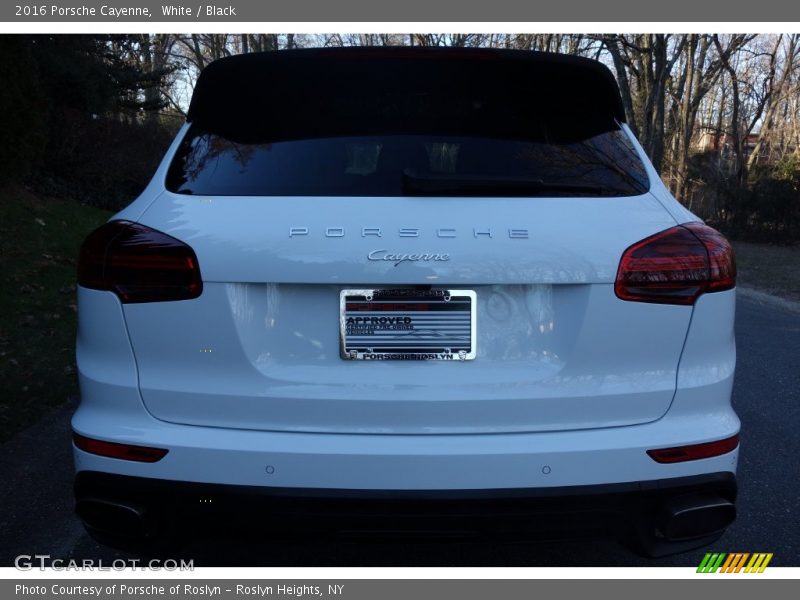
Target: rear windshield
605	164
393	124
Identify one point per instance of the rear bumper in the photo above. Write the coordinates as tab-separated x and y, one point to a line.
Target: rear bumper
398	462
136	506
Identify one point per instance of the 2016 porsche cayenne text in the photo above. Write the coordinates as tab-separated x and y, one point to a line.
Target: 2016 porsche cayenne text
385	288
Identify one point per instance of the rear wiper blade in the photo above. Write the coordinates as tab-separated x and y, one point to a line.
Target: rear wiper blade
446	184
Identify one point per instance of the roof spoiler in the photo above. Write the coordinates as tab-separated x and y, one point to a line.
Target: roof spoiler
295	94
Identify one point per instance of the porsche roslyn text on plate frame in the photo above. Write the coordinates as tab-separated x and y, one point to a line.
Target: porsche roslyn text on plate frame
407	324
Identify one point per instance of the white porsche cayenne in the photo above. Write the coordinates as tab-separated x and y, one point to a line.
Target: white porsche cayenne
368	287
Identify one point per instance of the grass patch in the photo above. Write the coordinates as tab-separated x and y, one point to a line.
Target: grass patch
39	242
768	268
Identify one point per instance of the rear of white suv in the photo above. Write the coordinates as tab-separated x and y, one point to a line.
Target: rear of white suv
446	283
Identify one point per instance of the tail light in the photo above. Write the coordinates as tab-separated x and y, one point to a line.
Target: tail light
121	451
138	264
695	451
676	266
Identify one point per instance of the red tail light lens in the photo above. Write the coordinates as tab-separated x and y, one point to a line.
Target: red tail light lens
676	266
695	451
721	258
138	264
121	451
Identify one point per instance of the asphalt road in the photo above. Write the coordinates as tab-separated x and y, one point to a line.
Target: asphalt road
36	474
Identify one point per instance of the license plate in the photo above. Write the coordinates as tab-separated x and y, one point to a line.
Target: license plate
407	324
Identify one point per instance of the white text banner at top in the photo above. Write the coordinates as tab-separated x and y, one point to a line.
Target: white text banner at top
429	11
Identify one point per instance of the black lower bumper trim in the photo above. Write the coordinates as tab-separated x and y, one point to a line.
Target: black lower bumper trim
543	510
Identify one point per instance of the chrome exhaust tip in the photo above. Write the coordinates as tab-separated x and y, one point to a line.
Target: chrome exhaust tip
117	518
695	516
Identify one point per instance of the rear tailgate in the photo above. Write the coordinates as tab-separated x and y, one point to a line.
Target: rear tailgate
307	173
555	348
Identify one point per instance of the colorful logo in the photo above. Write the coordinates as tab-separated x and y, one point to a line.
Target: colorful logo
734	562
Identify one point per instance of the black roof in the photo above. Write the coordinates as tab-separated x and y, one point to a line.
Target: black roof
246	95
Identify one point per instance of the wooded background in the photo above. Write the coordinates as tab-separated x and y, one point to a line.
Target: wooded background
89	117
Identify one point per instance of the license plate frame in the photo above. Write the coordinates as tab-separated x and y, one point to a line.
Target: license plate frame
437	323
